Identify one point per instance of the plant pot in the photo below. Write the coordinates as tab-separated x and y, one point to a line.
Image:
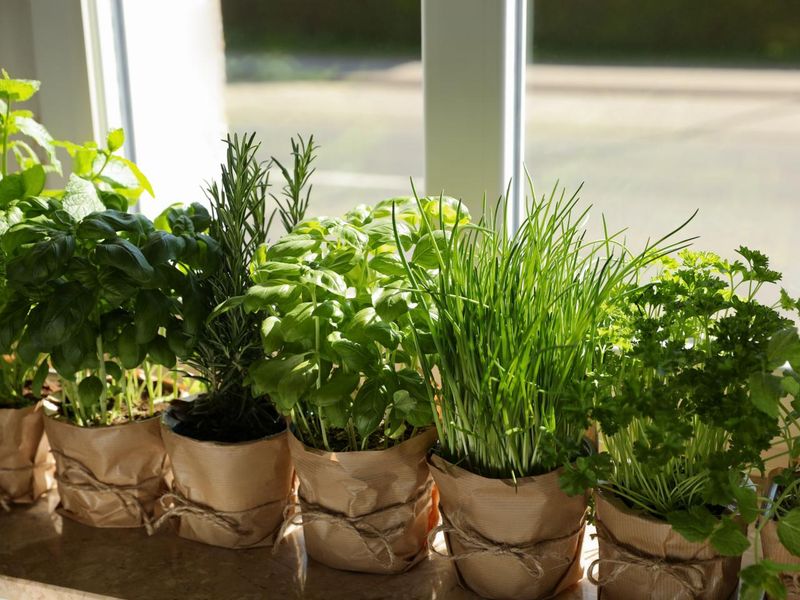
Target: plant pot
643	557
108	476
368	511
775	551
229	495
26	471
510	540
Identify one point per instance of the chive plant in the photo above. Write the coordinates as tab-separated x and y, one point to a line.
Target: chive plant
514	319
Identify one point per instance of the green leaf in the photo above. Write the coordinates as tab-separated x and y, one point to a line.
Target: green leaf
131	354
728	539
759	578
80	198
784	346
789	531
126	257
694	524
267	376
115	139
271	339
292	246
12	187
430	249
369	407
388	264
366	326
89	390
33	180
337	389
17	90
765	393
353	355
38	379
160	352
746	501
37	132
264	296
137	173
298	324
41	262
390	303
151	313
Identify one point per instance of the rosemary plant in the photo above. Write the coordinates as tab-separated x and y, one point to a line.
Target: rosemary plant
231	339
517	323
294	205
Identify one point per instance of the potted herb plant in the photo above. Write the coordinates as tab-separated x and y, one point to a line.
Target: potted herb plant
341	361
683	421
514	338
776	569
25	469
228	446
101	293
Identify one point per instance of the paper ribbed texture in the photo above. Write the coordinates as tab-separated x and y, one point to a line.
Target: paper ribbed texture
533	510
130	457
26	471
698	563
354	484
246	484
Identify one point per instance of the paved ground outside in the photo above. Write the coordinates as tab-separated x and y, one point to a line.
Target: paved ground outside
651	145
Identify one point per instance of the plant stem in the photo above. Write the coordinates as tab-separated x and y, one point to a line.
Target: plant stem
5	137
102	371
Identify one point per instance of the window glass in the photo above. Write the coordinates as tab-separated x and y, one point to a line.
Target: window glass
347	72
659	119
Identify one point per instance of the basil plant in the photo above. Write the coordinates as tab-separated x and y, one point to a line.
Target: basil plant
99	294
341	349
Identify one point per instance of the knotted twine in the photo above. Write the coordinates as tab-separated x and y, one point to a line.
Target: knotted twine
302	512
792	583
125	493
183	506
529	556
680	571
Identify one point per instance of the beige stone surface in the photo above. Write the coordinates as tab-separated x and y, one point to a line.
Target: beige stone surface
43	555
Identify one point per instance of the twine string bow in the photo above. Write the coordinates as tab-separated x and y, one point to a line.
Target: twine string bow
302	512
126	493
688	574
181	506
529	556
792	582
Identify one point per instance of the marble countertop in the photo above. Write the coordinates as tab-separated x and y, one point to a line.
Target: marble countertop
43	555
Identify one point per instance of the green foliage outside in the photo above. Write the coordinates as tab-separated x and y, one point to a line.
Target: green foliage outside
628	31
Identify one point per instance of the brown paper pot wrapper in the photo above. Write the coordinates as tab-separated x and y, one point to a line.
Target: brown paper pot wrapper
108	476
642	557
368	511
775	551
510	541
26	471
229	495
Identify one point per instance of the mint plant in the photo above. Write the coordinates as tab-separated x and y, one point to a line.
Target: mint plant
684	405
338	335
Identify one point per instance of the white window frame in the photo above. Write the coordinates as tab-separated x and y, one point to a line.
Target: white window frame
474	54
